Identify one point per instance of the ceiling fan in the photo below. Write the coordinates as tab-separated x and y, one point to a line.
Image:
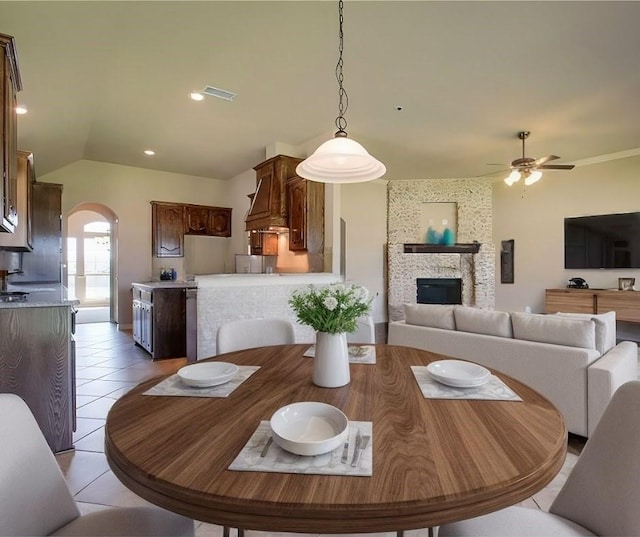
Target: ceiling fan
529	168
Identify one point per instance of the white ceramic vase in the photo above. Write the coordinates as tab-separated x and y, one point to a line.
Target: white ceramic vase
331	360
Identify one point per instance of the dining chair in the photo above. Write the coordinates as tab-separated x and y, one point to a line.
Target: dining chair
601	495
365	332
250	333
35	499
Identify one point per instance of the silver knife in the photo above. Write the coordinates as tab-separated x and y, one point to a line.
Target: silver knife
363	445
263	453
357	448
345	453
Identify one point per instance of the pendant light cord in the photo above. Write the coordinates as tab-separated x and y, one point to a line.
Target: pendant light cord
343	98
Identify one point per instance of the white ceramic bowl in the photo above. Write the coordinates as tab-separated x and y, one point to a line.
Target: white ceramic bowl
458	373
309	428
207	374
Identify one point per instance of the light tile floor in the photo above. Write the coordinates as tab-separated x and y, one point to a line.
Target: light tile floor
108	364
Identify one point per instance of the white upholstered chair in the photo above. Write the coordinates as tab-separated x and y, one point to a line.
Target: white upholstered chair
601	495
251	333
365	333
35	499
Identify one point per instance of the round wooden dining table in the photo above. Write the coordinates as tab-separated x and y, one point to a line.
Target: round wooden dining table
434	460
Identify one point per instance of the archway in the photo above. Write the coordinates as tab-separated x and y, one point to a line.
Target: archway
90	269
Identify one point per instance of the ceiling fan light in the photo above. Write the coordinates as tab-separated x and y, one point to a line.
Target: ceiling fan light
533	177
513	177
341	160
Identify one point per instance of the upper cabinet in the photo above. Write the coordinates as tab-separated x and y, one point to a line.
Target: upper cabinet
269	205
11	85
44	263
306	220
21	238
170	222
167	223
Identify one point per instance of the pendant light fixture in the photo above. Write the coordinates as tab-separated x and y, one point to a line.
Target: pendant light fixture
341	159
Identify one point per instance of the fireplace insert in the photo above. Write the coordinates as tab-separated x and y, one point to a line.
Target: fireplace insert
439	290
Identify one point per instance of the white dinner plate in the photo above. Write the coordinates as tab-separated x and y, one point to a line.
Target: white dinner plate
207	374
458	373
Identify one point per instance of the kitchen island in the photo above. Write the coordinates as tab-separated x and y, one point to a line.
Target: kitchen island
227	297
37	357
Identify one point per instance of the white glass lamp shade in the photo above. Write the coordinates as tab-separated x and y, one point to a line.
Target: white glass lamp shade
533	177
341	160
514	177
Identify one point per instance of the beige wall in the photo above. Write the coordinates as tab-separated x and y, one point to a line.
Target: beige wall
536	223
363	207
127	191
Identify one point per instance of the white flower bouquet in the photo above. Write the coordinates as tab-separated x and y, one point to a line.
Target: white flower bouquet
333	308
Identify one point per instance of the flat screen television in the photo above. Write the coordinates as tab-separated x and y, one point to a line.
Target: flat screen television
602	241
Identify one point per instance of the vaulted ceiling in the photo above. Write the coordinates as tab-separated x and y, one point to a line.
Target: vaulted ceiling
106	80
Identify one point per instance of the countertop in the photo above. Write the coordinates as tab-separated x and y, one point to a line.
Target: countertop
41	295
291	278
166	284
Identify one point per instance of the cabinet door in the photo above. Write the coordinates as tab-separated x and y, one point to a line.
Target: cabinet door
297	193
197	220
44	263
137	320
220	222
169	330
569	301
168	229
9	121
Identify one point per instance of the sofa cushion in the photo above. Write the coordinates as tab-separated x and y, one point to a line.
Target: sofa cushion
432	315
479	321
554	329
605	328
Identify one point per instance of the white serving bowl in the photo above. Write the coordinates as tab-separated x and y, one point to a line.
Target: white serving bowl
207	374
309	428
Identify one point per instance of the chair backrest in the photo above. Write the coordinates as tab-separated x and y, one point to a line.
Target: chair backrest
602	492
34	497
251	333
365	333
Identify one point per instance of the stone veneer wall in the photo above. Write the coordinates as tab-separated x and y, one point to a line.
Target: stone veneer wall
404	208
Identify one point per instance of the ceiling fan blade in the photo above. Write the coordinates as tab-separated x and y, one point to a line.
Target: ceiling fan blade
542	160
556	167
494	173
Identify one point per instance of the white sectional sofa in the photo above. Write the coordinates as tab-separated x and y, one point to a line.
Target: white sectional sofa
572	359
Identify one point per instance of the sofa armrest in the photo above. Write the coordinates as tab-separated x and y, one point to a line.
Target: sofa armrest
607	374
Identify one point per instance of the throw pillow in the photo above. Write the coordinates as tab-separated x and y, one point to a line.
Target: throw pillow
605	328
554	329
479	321
432	315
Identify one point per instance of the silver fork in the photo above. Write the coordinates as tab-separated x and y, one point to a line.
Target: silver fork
356	448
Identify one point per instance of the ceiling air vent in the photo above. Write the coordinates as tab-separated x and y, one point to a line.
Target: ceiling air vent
220	93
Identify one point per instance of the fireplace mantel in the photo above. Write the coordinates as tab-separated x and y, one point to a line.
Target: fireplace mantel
423	248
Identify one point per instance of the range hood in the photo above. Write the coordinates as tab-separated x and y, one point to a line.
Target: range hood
269	202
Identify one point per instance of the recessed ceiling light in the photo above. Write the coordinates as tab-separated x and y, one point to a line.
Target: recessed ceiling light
196	96
21	110
149	152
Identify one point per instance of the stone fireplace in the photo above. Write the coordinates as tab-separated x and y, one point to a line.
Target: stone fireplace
475	267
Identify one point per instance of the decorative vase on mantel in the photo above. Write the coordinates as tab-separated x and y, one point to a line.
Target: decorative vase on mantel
331	360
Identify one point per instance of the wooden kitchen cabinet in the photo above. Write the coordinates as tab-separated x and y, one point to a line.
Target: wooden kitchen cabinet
306	215
205	220
263	243
220	222
626	304
38	364
269	205
11	84
44	263
21	239
167	223
164	320
170	222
